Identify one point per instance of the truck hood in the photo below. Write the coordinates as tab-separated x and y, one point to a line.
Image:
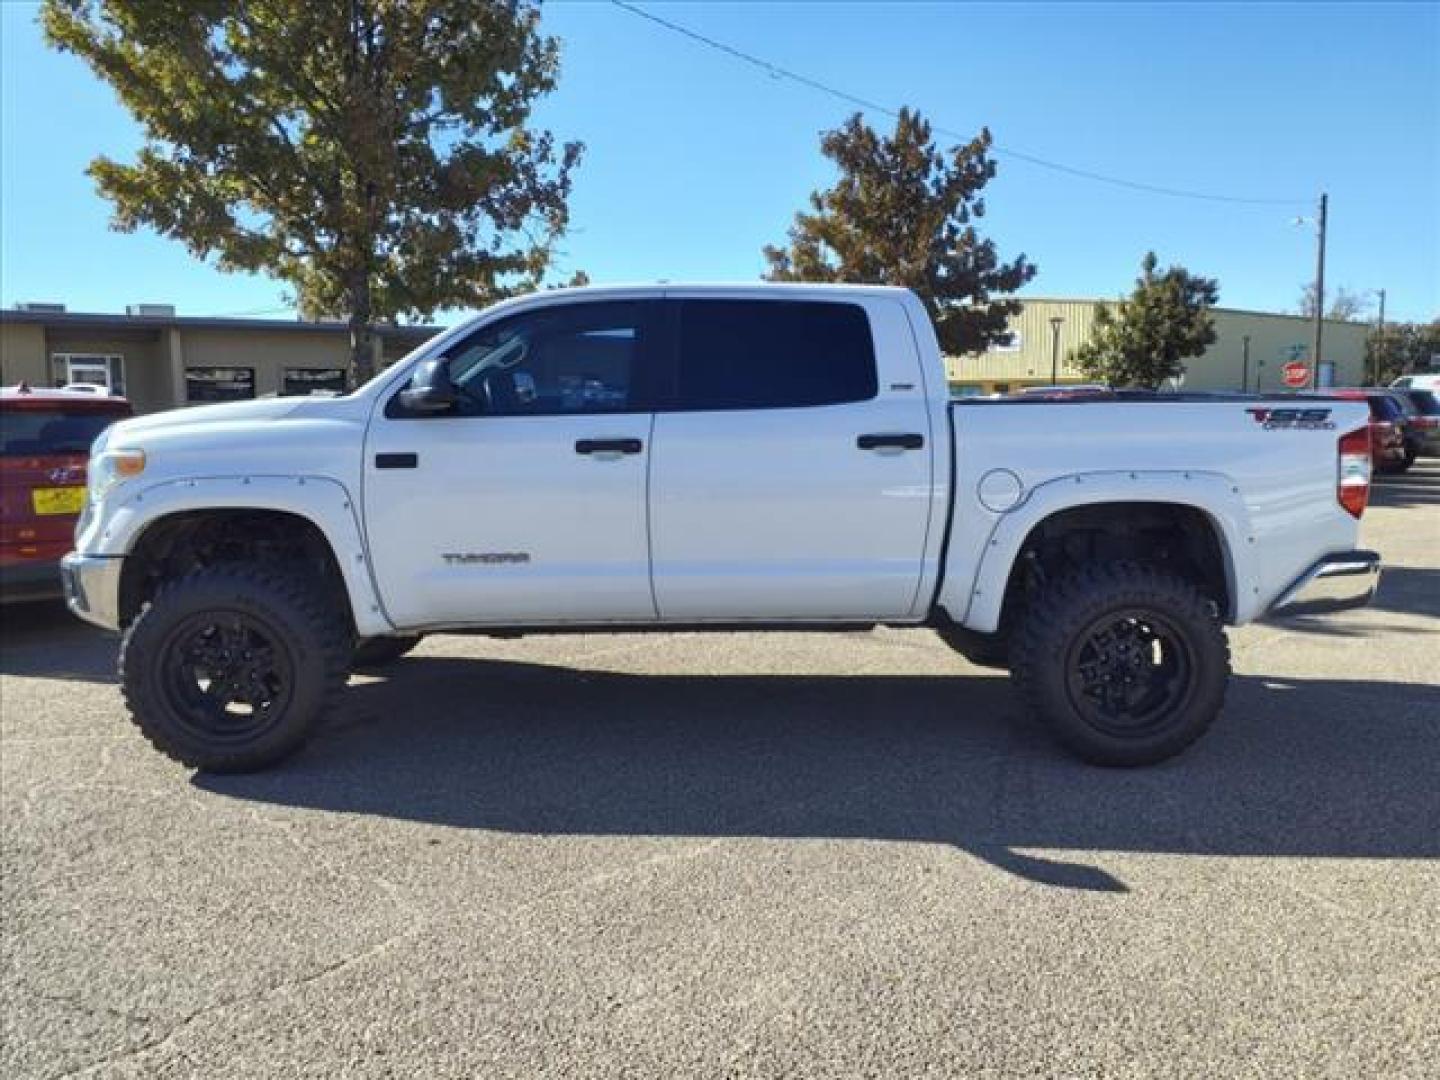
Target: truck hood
206	415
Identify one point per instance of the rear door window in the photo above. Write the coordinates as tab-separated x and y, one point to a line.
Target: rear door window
773	354
37	432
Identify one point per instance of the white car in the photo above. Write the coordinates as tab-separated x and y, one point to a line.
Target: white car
709	457
1417	382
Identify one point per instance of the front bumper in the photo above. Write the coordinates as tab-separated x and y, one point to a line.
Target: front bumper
92	587
1337	582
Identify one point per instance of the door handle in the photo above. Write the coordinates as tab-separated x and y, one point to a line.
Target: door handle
909	441
396	461
608	446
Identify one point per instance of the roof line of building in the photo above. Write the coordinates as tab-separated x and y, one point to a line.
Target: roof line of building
200	322
1217	307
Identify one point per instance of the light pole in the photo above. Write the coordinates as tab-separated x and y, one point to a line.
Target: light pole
1055	321
1319	290
1379	342
1320	222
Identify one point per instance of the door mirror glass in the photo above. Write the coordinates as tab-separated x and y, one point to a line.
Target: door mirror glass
431	390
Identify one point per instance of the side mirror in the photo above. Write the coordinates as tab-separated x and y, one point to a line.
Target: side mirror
431	389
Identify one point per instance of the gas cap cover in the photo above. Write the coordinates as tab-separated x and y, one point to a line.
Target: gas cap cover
999	490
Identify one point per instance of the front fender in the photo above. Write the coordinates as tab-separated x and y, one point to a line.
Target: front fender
324	502
980	595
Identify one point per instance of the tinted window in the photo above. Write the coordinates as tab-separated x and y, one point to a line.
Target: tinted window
772	354
33	432
1425	402
583	358
1386	408
300	381
219	383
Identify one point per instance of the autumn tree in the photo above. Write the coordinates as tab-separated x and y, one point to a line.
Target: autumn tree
1145	339
903	213
1401	348
373	154
1344	304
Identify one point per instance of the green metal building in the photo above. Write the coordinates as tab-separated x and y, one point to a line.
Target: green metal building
1251	348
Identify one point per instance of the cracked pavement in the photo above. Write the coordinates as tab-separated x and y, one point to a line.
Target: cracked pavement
784	854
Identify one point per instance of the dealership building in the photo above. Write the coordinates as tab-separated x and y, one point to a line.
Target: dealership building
1250	352
159	360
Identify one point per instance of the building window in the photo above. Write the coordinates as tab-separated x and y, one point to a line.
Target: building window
103	370
303	381
219	383
1010	341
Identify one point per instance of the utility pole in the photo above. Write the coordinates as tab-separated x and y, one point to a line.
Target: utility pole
1245	364
1379	343
1319	290
1055	321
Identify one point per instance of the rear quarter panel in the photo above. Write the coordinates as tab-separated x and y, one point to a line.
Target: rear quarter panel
1268	490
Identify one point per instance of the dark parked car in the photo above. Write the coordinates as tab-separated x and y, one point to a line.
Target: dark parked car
1422	422
1387	425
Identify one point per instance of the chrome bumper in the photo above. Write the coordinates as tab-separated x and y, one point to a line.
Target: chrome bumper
1338	582
92	587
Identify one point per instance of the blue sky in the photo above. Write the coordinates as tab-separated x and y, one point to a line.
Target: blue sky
696	160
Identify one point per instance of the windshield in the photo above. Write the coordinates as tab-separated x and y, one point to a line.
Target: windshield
36	432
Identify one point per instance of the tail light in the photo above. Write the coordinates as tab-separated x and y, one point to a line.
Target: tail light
1353	485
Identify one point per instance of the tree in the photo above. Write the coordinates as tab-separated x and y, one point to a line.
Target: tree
1401	348
902	213
1345	304
373	154
1146	339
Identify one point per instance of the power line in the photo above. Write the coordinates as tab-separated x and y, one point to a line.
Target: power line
777	72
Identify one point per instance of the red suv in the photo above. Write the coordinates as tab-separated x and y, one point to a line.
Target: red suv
45	438
1387	426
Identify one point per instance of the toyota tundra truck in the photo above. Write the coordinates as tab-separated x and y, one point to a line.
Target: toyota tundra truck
719	458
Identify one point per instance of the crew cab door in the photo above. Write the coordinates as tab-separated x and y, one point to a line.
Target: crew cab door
793	463
526	501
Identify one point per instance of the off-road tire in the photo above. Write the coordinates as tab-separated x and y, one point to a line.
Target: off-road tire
306	634
378	651
1057	634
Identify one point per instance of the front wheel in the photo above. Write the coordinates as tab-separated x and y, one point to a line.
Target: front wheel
1125	664
230	668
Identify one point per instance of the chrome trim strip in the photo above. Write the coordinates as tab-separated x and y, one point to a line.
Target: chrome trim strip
1338	582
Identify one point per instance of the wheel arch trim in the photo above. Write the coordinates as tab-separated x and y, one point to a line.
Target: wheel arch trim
1214	495
322	501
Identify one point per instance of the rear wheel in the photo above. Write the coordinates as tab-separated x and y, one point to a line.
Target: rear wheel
229	669
378	651
1126	664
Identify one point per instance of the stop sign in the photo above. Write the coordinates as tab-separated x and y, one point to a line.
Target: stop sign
1296	373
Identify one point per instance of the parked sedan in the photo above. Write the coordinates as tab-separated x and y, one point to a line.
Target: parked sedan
45	438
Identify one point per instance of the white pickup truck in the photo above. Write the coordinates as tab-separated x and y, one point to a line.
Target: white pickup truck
718	457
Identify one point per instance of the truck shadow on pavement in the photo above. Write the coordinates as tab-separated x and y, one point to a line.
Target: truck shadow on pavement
1294	768
43	640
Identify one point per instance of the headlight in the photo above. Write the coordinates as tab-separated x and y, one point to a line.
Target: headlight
111	467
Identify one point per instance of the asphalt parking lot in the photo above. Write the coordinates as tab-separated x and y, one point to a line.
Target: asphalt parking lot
739	855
